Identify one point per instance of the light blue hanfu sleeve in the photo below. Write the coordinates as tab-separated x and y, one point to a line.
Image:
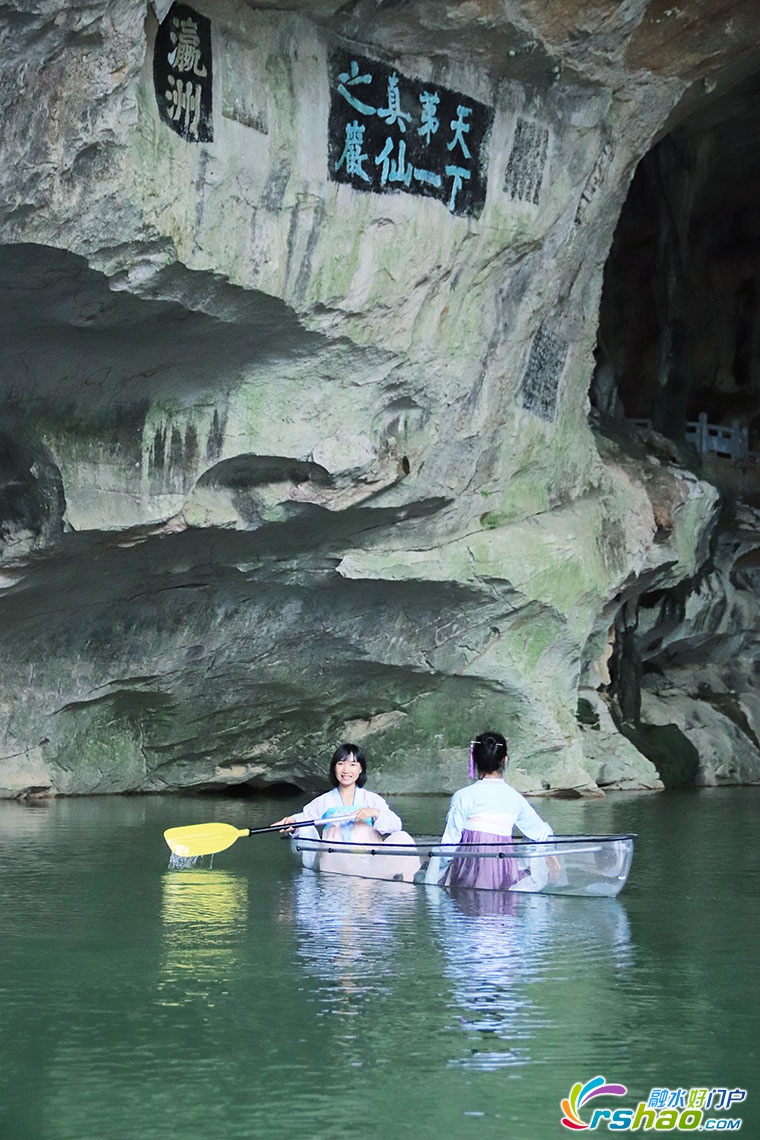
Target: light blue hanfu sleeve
530	822
386	821
314	809
456	818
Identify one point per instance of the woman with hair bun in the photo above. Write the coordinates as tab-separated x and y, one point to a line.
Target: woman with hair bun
486	812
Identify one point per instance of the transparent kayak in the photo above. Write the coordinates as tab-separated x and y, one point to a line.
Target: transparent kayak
586	865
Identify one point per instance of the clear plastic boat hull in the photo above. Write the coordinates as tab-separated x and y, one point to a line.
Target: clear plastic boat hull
583	865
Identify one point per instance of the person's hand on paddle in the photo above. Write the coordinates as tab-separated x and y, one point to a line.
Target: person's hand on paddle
364	815
286	819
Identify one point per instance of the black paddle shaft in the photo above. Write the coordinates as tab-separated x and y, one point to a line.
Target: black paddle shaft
283	827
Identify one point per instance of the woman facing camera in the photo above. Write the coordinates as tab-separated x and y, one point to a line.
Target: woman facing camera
361	817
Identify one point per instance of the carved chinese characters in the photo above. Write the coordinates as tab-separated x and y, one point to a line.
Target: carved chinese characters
593	182
527	161
540	382
388	133
182	73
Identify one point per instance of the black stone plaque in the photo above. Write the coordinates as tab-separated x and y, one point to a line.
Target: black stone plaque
527	161
540	382
182	73
389	133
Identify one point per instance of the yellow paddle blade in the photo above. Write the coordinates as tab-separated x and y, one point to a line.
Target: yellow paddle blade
202	838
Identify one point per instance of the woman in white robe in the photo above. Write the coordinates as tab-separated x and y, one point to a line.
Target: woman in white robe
364	817
486	813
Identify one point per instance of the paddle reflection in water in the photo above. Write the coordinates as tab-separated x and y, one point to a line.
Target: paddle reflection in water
204	916
504	955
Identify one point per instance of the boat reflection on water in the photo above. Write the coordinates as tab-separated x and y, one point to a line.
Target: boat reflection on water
203	913
503	956
347	937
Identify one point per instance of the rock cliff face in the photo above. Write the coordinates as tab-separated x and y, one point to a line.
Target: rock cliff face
300	308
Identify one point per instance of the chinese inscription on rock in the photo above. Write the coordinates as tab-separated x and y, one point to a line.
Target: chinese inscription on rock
593	182
527	161
388	133
540	382
182	73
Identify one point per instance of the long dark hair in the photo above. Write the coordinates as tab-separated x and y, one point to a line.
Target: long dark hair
342	752
489	752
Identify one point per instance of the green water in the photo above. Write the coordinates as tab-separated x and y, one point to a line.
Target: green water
254	999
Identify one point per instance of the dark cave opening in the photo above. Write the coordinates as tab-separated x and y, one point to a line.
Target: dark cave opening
679	323
678	351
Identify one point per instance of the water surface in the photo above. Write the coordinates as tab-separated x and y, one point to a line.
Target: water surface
253	999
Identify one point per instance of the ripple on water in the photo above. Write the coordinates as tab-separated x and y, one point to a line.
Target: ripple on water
138	1001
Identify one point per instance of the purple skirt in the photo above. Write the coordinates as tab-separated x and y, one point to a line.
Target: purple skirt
486	874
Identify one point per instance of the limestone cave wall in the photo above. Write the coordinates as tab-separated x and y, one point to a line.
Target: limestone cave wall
300	309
